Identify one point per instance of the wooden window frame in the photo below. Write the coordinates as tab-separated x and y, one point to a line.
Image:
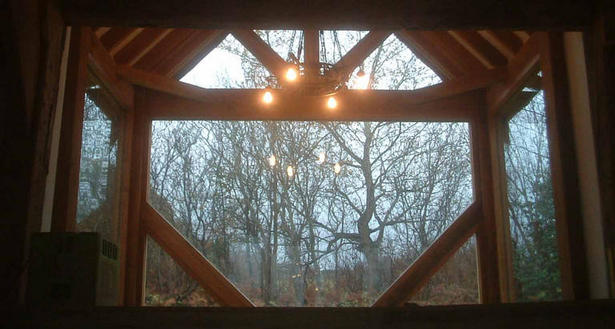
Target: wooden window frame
543	52
476	99
87	57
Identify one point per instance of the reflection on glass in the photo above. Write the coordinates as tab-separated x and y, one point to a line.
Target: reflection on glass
97	207
317	238
530	198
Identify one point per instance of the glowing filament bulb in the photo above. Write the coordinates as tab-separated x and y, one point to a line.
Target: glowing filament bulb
291	74
267	97
321	158
331	102
362	80
272	160
290	171
337	168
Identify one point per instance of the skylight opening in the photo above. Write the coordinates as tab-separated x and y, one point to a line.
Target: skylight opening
391	66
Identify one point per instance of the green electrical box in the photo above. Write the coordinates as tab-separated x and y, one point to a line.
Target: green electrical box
73	271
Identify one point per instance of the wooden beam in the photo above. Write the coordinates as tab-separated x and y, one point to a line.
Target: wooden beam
487	249
192	261
421	104
520	69
311	41
479	48
261	50
353	15
430	54
103	66
125	170
140	45
134	266
568	211
69	153
355	56
432	259
191	52
562	315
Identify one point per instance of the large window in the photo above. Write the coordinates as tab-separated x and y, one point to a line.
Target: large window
312	213
98	201
531	209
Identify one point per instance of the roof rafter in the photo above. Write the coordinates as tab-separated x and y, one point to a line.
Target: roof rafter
504	47
160	51
140	45
480	48
429	53
261	50
355	56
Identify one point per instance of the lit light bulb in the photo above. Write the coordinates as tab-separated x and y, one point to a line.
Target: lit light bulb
267	97
337	168
331	102
291	74
290	171
362	80
272	160
321	158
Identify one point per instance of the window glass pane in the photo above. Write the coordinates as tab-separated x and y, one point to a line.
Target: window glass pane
310	213
393	66
230	65
455	283
98	203
166	283
284	42
530	197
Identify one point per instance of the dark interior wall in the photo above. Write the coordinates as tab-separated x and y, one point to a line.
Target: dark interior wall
30	57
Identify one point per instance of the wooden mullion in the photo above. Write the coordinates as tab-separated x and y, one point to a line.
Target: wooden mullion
431	260
69	153
487	249
134	274
564	171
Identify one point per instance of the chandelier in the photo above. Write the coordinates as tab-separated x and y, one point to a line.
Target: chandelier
318	79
